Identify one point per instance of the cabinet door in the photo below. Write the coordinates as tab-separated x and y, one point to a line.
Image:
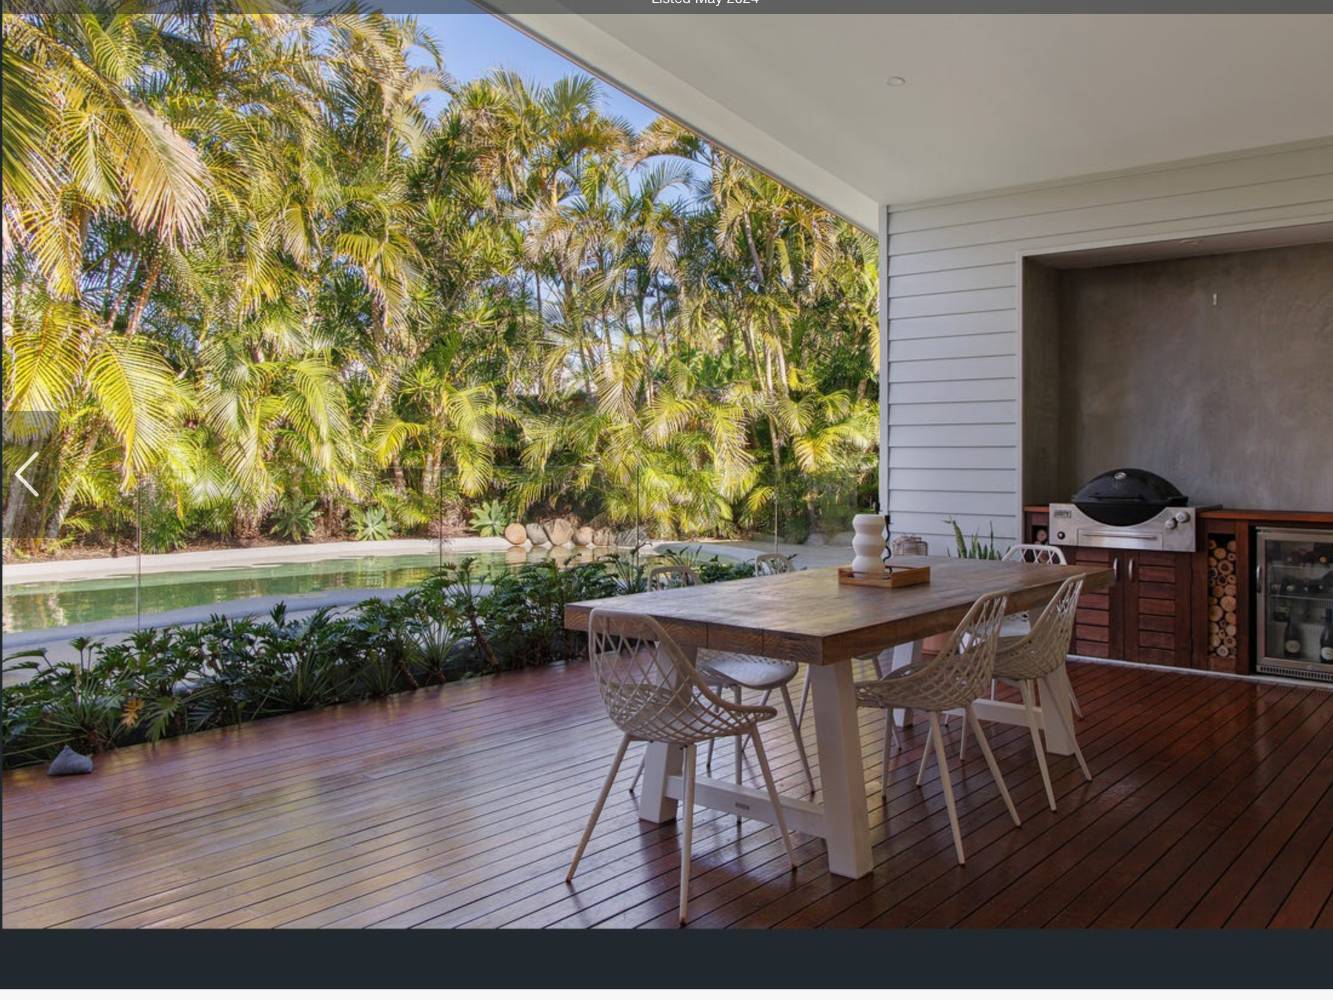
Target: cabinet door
1097	623
1157	625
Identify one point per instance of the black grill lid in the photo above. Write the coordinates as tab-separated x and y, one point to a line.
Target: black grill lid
1127	496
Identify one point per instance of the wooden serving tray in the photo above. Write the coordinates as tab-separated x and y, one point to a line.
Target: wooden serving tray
891	576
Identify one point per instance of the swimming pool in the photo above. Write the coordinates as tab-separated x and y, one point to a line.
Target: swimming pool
56	604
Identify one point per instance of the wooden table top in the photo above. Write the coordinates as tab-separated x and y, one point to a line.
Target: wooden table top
808	616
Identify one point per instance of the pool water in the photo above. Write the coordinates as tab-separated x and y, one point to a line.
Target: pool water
55	604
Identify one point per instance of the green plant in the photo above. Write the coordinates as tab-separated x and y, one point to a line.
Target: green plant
974	547
294	519
490	519
166	682
372	524
162	530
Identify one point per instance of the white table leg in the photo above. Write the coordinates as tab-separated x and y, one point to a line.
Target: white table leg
846	823
664	760
1056	717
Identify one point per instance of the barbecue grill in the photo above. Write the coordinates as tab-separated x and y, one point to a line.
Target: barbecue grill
1126	509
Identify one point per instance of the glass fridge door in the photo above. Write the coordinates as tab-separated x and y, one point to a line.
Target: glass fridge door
1296	603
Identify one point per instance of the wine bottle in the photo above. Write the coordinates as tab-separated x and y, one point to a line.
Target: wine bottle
1291	639
1326	638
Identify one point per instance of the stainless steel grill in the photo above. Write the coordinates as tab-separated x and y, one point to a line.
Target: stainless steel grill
1126	509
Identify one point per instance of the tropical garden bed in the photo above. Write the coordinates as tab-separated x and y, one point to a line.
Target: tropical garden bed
167	682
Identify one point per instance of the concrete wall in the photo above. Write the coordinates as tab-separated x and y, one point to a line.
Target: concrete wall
1216	372
951	391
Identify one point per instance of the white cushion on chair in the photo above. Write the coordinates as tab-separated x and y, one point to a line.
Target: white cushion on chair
759	673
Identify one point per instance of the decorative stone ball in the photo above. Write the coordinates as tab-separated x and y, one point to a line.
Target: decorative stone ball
516	534
583	535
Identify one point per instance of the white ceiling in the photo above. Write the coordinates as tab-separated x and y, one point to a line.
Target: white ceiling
991	100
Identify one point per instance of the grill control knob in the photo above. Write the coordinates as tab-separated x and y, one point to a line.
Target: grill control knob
1059	534
1170	523
1182	516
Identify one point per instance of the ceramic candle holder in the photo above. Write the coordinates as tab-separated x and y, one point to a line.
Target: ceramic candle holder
868	543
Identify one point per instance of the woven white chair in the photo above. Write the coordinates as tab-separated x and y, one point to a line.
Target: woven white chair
950	681
668	576
1021	623
773	563
1041	654
653	693
1018	625
738	672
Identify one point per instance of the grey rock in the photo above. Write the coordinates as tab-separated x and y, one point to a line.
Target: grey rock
69	762
632	538
536	534
559	531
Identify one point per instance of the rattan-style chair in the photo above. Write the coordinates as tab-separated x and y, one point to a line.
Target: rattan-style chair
1018	625
738	672
1021	623
669	576
1041	654
653	693
950	681
772	563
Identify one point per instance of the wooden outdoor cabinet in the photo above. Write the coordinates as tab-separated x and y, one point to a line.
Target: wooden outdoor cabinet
1157	608
1161	604
1146	615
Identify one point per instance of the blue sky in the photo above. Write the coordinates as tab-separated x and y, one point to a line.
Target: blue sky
475	44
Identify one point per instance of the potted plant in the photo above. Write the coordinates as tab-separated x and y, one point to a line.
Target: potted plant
965	548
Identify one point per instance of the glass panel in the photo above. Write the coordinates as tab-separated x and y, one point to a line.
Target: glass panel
1299	598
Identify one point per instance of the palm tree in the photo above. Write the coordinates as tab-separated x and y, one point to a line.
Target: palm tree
245	264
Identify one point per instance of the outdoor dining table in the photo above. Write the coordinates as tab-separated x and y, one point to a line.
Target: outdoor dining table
813	619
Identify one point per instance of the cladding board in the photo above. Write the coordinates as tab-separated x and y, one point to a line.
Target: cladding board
951	441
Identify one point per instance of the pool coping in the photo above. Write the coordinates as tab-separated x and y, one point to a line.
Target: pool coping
62	570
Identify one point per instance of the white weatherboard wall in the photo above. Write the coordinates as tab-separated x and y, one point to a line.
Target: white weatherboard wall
950	309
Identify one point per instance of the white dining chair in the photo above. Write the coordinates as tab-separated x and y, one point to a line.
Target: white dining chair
773	563
654	694
1038	655
949	681
737	672
668	576
1020	623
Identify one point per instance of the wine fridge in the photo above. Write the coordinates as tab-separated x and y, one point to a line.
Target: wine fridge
1294	598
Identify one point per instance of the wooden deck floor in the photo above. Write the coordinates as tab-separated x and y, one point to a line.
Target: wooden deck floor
1212	806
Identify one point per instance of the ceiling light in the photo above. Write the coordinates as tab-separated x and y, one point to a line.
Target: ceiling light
896	81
